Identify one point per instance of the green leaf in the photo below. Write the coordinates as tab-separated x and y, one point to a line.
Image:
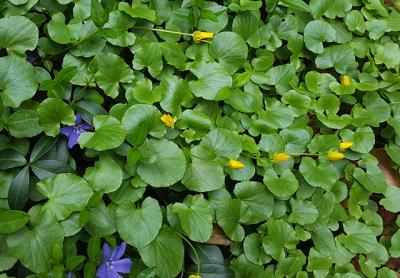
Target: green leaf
295	4
388	54
391	202
323	175
221	143
228	216
143	92
24	123
18	34
161	163
279	76
108	134
17	81
19	189
52	112
212	78
243	268
106	175
149	56
137	10
230	50
355	21
363	139
254	251
395	245
280	236
33	247
102	220
303	212
112	71
12	221
66	193
140	120
166	242
372	179
139	224
115	30
173	90
195	216
259	201
341	57
59	31
359	237
282	186
315	33
10	159
7	260
195	180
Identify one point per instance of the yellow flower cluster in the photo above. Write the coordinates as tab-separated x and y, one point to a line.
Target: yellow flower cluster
346	81
168	120
235	164
199	36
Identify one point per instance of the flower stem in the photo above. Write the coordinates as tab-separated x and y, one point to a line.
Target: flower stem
303	154
195	252
161	30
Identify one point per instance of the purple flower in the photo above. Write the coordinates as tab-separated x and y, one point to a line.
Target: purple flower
73	132
112	263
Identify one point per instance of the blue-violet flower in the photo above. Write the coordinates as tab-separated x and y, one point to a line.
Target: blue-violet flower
73	132
112	263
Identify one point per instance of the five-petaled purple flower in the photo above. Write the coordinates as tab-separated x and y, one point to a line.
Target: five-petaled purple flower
73	132
112	263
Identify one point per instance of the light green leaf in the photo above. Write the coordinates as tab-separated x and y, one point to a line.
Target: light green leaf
154	254
139	224
106	175
359	238
66	193
253	250
303	212
195	216
221	143
108	134
17	81
373	179
33	247
195	180
282	186
230	50
18	34
140	120
228	216
161	163
341	57
24	123
12	221
52	112
149	55
112	71
391	202
259	201
388	54
212	78
323	175
315	33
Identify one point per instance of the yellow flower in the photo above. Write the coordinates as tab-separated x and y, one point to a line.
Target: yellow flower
332	155
235	164
195	276
281	157
199	36
345	145
168	120
346	80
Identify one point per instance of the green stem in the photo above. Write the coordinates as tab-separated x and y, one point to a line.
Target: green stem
195	253
161	30
303	154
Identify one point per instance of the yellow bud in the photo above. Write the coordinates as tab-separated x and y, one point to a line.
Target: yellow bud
194	276
199	36
235	164
346	80
281	157
345	145
332	155
168	120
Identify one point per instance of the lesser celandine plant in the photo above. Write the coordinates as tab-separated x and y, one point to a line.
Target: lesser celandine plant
194	138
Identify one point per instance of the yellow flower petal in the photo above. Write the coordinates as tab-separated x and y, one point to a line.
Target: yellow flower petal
194	276
168	120
235	164
346	80
332	155
281	157
199	36
345	145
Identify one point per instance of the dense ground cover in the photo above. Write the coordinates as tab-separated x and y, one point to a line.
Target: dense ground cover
194	138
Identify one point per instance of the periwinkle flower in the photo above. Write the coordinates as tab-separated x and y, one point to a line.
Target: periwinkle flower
112	263
73	132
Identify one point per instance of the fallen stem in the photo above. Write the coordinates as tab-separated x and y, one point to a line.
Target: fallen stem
195	253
